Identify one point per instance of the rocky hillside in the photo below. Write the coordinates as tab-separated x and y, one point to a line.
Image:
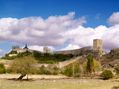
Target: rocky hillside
111	58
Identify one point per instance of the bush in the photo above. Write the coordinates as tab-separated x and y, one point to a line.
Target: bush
51	58
2	69
72	70
43	70
13	52
49	70
117	70
106	74
68	71
9	71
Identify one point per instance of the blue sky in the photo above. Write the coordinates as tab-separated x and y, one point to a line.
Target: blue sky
45	8
95	13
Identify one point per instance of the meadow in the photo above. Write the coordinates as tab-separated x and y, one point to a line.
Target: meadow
54	82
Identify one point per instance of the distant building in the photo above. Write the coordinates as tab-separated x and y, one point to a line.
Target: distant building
15	48
20	50
46	50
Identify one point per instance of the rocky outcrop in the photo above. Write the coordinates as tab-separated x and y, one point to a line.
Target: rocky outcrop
111	58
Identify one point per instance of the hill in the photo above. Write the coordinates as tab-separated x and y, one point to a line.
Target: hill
111	58
40	57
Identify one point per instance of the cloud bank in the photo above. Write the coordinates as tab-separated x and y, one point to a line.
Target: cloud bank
114	18
55	31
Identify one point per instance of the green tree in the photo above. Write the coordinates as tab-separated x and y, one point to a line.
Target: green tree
72	70
2	68
24	65
91	65
97	66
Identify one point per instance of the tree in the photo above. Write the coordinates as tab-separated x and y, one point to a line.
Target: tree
72	70
91	65
2	68
24	65
97	66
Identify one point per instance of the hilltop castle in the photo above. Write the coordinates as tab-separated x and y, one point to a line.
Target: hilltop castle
20	50
97	50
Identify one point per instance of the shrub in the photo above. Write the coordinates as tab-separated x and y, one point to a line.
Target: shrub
9	71
49	70
13	52
43	70
117	70
77	70
72	70
68	71
106	74
2	68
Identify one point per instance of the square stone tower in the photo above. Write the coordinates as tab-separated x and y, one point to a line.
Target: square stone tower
46	49
97	44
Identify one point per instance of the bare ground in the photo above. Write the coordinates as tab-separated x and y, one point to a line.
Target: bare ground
55	82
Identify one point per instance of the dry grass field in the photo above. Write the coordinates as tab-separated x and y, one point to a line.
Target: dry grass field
55	82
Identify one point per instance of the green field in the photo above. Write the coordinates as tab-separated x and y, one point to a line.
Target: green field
58	84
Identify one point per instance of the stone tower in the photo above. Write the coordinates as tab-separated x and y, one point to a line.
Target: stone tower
97	44
46	49
14	48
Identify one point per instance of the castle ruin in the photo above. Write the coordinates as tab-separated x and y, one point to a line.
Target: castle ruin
98	46
20	50
46	50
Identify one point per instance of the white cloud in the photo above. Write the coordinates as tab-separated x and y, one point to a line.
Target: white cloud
40	48
2	52
57	30
82	36
71	47
114	18
38	31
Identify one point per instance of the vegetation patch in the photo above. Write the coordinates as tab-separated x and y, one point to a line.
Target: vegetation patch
40	57
72	70
107	74
2	68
